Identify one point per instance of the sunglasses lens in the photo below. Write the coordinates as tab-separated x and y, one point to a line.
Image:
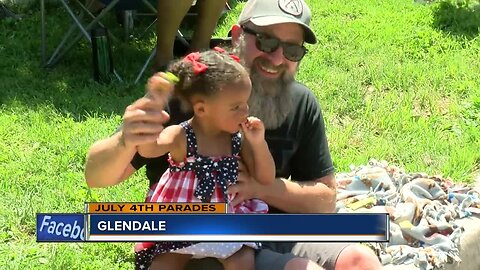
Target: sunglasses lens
294	53
264	43
267	44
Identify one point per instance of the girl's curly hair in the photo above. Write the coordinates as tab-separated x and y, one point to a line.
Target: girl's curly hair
222	70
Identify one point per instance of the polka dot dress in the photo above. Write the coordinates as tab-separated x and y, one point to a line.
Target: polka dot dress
197	179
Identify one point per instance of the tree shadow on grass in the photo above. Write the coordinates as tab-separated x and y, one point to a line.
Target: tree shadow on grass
459	19
69	86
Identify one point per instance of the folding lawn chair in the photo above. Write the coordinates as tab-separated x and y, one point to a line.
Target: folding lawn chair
72	36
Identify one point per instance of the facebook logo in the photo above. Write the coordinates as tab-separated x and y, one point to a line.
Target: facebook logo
60	227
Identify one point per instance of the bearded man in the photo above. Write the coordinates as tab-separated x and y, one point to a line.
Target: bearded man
269	39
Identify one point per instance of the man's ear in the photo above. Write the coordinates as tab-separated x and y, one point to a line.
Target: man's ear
235	32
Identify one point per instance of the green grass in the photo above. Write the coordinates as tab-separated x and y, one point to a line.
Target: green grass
396	80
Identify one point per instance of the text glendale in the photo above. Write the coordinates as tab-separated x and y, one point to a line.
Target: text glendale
134	225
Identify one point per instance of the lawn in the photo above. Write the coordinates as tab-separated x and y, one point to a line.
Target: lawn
397	80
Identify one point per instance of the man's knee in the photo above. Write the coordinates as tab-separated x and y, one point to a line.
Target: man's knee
324	254
302	264
357	257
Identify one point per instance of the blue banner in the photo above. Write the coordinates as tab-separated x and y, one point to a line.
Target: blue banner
60	227
239	227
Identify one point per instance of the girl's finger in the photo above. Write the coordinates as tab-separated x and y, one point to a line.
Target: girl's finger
244	126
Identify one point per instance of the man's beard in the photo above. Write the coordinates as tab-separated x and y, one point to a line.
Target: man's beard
271	99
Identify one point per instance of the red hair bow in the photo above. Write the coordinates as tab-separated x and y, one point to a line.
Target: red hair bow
198	68
233	56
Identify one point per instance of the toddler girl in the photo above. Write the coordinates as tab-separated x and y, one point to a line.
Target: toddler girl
204	152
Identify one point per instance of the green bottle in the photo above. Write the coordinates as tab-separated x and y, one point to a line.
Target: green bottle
102	55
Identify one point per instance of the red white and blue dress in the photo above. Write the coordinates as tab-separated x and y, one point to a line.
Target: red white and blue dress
198	179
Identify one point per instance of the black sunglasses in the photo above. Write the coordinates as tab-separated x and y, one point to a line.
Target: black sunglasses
267	44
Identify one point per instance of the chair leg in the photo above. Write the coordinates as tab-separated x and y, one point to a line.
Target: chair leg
149	60
87	11
5	12
84	30
182	39
54	57
62	49
149	6
147	29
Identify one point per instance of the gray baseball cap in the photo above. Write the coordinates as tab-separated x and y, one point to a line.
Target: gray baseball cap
269	12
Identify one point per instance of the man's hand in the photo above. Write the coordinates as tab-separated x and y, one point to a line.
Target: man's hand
160	86
143	120
246	187
253	130
316	196
109	160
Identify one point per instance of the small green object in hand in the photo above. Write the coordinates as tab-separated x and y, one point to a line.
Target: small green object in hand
171	77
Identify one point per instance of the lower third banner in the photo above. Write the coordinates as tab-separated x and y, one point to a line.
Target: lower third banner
238	227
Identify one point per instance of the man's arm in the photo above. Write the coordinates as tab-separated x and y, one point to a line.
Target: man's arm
108	162
317	196
312	187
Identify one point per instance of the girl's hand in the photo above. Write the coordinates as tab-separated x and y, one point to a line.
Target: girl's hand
253	130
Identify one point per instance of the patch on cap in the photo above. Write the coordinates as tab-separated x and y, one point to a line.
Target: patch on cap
292	7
